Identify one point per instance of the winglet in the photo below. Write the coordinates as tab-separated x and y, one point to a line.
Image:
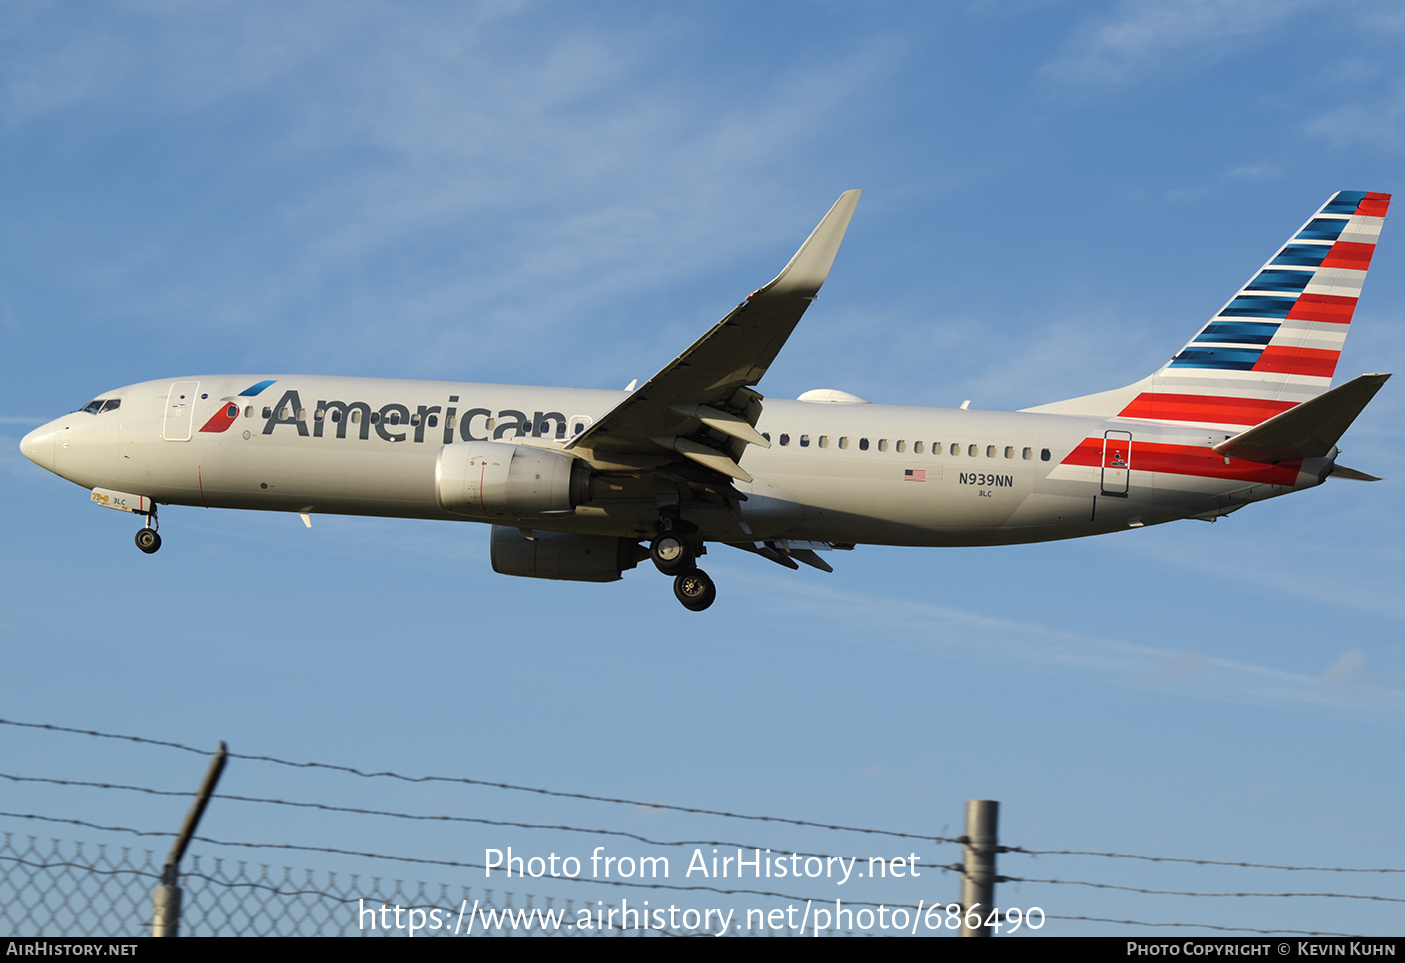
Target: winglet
809	267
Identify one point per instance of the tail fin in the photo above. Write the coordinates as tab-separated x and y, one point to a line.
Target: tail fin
1276	343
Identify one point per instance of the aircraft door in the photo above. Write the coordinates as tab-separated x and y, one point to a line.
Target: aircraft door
1117	462
180	411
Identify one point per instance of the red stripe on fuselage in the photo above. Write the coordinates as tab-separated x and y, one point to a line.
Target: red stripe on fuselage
1204	409
1323	307
1189	460
1299	361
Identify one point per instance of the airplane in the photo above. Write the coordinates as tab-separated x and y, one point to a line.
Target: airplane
584	484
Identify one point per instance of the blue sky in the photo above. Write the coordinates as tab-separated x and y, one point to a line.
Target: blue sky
1056	195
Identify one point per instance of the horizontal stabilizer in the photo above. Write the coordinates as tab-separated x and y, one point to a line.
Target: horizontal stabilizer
1308	430
1341	471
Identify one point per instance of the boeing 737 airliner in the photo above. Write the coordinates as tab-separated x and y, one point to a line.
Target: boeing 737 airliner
577	482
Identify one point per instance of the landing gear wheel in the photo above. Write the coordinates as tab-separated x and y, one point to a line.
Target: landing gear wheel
695	590
672	554
148	541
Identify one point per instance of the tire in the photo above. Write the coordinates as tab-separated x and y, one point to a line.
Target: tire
672	554
148	541
695	590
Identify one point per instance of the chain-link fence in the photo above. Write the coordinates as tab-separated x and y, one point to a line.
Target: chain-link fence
52	887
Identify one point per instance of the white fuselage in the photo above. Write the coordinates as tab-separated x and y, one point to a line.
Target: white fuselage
843	473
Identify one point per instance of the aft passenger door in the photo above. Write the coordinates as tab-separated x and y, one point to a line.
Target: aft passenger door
1117	462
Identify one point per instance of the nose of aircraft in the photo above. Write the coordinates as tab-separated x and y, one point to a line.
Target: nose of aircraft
38	446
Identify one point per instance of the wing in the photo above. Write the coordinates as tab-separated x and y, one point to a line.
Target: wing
701	407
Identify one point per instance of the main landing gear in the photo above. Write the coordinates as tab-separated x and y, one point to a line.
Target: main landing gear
695	590
673	554
147	538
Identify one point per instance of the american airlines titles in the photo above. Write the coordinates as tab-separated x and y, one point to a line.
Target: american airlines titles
388	418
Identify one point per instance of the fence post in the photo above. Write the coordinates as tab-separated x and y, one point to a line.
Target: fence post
978	878
166	901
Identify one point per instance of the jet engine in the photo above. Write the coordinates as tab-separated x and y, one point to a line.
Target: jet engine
562	555
492	479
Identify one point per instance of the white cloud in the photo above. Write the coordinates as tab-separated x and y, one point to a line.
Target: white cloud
1345	673
469	162
1141	35
917	626
1378	122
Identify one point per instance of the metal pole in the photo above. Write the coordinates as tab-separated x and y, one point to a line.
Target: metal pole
166	901
978	879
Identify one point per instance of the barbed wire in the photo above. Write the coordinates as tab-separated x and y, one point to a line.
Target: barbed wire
468	781
1196	862
353	810
1172	892
587	797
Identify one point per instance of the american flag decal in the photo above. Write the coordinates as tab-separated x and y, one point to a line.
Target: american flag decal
915	474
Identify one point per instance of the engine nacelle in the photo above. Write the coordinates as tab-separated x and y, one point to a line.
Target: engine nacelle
493	479
562	555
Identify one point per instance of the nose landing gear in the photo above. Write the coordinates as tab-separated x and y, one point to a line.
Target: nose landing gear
147	538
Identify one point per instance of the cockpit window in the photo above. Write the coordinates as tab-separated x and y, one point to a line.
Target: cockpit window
112	404
101	404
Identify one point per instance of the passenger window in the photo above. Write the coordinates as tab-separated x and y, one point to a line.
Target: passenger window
267	412
319	414
844	441
990	451
917	448
249	411
1044	454
882	444
766	435
453	422
375	417
804	441
336	416
824	441
433	421
863	444
973	450
414	419
1028	454
955	448
785	439
1009	451
356	416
